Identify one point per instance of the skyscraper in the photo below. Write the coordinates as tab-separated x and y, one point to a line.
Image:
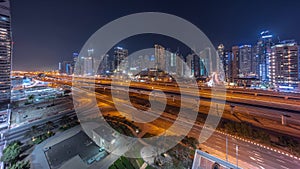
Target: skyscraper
5	53
104	65
254	62
220	57
160	56
197	66
263	53
235	65
227	65
206	62
66	67
74	60
178	59
119	55
284	64
245	60
189	71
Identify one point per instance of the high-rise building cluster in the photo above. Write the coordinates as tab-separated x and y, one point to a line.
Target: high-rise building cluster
200	65
267	63
273	64
67	67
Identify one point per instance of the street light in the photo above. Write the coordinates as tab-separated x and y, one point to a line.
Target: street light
226	147
237	154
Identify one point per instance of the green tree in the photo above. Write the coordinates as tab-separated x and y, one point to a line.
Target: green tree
11	153
20	165
65	120
49	126
31	97
34	131
264	136
190	141
229	127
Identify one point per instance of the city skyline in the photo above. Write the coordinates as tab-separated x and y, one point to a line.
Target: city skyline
32	40
187	85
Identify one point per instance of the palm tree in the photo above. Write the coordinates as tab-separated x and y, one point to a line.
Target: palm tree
49	126
31	97
65	120
34	132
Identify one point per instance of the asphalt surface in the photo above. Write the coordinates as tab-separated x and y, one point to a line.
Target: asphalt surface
251	155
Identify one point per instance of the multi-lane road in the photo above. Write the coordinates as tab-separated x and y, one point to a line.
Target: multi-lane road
251	155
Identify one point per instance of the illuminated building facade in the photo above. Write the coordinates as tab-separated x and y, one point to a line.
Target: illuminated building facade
5	54
245	60
284	65
160	56
119	55
220	58
235	63
227	65
263	50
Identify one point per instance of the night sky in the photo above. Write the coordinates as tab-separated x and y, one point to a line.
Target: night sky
48	31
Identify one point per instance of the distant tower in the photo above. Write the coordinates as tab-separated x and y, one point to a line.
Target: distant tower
119	55
75	57
59	67
160	57
245	60
263	53
220	62
235	65
227	64
88	63
5	54
73	62
104	65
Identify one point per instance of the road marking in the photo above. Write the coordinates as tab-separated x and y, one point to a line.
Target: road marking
261	167
259	160
219	147
284	167
252	158
280	160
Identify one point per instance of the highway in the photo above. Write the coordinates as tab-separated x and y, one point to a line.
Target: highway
279	101
250	155
269	99
267	118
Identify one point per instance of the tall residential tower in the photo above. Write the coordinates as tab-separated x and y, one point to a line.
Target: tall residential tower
284	64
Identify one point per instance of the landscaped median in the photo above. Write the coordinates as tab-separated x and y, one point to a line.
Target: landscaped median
124	162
